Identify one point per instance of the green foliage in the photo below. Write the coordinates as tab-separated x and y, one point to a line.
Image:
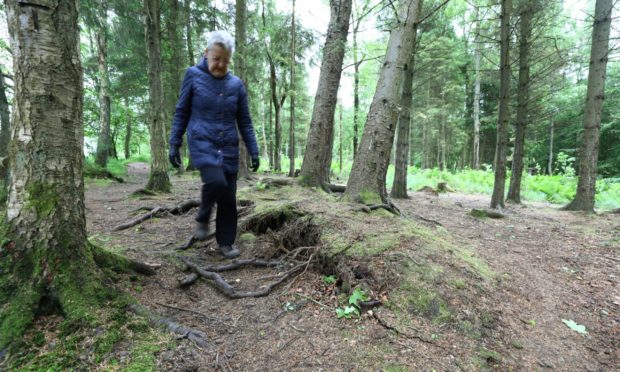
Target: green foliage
565	164
353	307
329	279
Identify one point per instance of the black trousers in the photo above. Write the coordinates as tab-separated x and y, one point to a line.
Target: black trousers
221	188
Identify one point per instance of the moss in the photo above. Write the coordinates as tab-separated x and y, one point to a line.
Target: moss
42	197
458	283
367	196
478	213
247	238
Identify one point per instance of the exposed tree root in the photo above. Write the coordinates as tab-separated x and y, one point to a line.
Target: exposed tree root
480	213
197	337
104	258
277	182
177	210
389	206
228	290
429	190
335	188
427	220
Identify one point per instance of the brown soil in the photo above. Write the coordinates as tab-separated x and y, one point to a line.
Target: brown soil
550	264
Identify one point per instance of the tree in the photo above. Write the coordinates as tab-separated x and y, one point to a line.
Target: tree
158	178
523	97
477	53
5	127
291	171
317	158
588	153
497	199
47	262
367	179
240	56
399	187
103	142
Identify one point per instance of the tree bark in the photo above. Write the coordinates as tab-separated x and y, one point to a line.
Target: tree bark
291	155
523	97
317	158
188	32
45	252
476	162
399	186
550	163
497	199
103	142
5	130
588	154
240	56
367	179
175	68
277	107
128	129
158	178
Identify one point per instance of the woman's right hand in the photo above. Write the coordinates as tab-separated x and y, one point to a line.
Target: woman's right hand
174	156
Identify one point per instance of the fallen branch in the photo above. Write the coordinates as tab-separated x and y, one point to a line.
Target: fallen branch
427	220
481	213
197	337
336	188
228	290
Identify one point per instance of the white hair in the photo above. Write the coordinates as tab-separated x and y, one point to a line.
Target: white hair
222	38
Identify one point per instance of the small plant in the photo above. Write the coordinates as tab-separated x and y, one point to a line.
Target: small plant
565	164
261	186
329	279
353	307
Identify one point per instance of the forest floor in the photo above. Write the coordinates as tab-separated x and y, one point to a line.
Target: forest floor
458	292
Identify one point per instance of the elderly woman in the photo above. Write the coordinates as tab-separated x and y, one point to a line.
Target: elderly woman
210	102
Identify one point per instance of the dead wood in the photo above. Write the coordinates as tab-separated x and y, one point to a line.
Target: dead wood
176	210
229	291
427	220
336	188
486	213
197	337
429	190
138	220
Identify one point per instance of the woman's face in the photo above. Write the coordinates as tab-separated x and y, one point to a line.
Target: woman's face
218	59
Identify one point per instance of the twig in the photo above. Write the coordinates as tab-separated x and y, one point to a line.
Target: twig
138	220
298	329
195	312
289	342
399	332
313	300
427	220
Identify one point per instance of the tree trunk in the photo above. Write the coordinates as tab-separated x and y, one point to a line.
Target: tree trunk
497	199
277	106
127	129
399	187
240	56
317	159
46	256
550	163
523	97
340	140
176	67
272	159
476	162
367	179
103	142
588	154
291	155
188	32
5	130
158	178
265	143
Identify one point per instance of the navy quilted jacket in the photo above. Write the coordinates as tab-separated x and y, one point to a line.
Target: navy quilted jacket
208	108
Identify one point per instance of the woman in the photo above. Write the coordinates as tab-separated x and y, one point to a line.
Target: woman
210	102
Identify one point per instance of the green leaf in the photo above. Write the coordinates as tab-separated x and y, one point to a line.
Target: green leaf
357	296
347	312
575	327
329	279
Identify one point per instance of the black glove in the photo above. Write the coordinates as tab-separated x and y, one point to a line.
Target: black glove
255	164
174	156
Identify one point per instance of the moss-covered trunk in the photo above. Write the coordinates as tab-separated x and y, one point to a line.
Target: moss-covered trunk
45	258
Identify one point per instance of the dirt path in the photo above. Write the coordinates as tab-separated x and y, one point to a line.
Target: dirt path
551	265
